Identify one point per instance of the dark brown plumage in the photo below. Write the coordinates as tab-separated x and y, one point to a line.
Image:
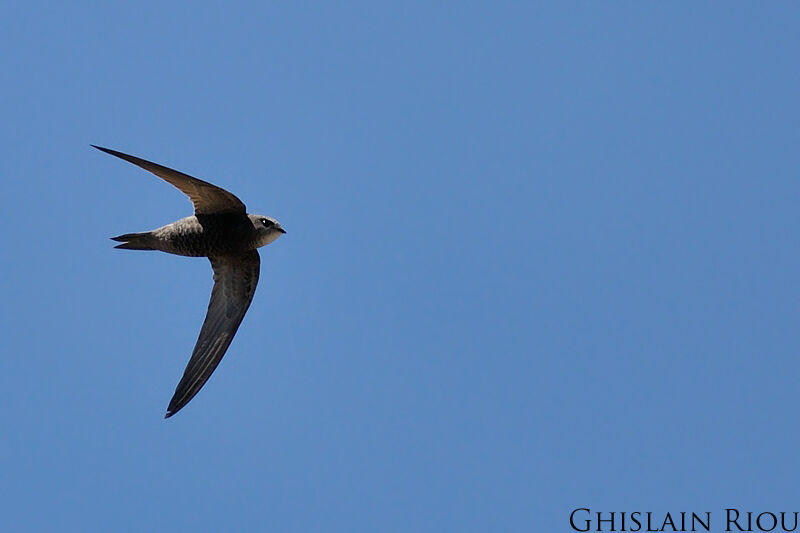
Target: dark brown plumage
222	230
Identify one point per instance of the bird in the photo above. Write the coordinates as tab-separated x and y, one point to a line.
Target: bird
222	230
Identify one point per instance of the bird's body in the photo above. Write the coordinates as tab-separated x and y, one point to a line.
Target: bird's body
222	230
201	236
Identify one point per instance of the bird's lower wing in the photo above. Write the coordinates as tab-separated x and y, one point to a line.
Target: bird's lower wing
235	280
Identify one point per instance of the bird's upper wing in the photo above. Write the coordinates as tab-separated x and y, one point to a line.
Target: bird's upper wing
207	198
235	279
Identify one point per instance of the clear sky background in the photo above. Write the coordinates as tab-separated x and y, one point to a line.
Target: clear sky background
540	256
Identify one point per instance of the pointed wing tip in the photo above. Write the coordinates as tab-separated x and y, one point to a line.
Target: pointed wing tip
109	151
174	407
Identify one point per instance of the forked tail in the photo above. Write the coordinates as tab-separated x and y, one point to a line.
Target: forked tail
135	241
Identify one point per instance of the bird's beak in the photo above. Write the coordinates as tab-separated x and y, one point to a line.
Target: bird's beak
281	230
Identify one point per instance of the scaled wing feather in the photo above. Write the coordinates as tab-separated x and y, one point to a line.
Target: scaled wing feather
235	280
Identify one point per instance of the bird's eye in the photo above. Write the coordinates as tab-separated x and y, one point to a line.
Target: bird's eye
267	223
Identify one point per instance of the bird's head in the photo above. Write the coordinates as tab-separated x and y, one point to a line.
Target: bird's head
267	228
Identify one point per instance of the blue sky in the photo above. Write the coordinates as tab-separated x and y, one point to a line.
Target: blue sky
539	257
